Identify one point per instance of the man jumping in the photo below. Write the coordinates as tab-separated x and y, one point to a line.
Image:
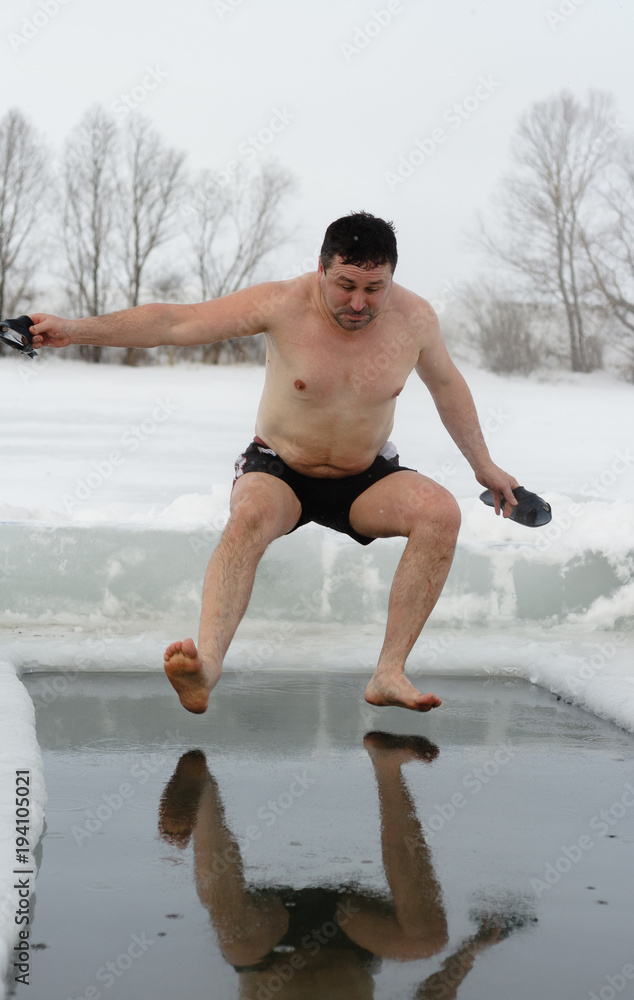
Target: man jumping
341	343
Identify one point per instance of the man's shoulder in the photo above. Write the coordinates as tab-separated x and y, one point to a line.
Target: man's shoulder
289	298
411	303
288	290
270	299
299	287
413	312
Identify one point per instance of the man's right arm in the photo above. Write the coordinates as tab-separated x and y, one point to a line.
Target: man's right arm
240	314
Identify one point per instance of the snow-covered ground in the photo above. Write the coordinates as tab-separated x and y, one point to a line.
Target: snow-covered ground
115	485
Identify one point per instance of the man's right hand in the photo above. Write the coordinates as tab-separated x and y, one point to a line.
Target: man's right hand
50	331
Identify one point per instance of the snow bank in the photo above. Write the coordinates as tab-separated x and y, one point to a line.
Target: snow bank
577	570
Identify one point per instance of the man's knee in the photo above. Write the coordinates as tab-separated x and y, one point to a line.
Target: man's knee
251	520
447	512
430	505
262	512
434	507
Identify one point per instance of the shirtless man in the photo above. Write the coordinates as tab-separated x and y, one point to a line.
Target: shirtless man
340	346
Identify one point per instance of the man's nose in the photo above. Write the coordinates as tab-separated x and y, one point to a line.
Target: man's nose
357	301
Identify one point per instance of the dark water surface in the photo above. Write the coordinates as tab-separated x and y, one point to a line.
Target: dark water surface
518	807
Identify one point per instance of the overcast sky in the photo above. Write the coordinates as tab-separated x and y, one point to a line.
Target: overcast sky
338	91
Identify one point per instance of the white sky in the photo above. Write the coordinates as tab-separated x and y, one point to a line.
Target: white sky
221	74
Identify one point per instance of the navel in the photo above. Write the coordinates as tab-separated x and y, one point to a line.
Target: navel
300	385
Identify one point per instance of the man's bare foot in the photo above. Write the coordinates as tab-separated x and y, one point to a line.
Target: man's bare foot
179	801
395	689
393	746
188	675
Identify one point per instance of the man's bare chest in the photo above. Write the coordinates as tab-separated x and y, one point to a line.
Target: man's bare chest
372	368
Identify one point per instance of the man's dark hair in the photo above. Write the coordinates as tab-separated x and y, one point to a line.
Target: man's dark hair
360	239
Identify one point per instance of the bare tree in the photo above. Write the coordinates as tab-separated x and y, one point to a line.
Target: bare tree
23	184
560	154
90	188
207	210
149	193
148	201
232	229
610	251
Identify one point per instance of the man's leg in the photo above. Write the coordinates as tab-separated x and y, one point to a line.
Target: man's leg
248	925
408	504
262	508
413	924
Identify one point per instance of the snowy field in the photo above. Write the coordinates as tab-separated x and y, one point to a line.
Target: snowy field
115	486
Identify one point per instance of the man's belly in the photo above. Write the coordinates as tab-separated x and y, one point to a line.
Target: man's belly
323	460
325	438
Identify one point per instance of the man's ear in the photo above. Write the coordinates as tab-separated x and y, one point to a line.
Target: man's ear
320	268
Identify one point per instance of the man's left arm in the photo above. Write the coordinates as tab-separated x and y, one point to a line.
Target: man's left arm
455	405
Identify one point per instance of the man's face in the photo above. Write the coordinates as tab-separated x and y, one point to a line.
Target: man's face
354	295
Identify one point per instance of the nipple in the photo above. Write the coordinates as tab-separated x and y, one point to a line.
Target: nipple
300	385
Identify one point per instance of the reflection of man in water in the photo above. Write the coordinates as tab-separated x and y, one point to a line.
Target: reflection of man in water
317	942
340	346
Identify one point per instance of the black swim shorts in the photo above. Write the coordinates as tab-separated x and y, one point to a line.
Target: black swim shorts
325	501
310	908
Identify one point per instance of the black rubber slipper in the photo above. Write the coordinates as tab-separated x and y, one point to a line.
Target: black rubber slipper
15	333
531	510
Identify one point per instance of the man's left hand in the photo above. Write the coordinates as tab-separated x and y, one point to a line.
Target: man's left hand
501	485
